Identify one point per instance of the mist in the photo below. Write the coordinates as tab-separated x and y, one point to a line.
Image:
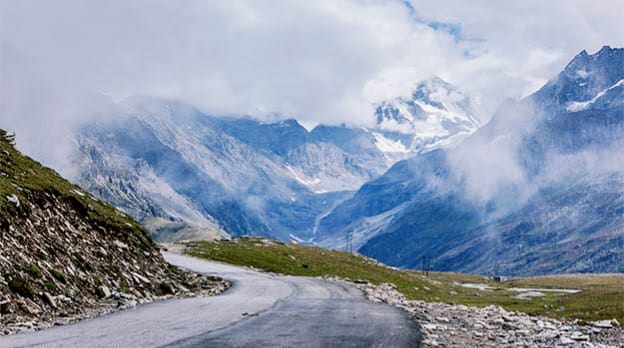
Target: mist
69	62
497	168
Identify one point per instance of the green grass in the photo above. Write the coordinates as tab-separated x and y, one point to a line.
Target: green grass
21	176
602	296
58	275
34	271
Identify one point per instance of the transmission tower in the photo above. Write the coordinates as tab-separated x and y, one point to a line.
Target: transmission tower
349	240
426	265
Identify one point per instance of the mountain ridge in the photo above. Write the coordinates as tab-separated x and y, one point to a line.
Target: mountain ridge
556	163
233	176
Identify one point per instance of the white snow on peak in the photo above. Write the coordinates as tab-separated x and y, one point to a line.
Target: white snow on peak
430	109
386	145
438	119
578	106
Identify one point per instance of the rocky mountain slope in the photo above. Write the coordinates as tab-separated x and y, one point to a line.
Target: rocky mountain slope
65	255
187	175
539	189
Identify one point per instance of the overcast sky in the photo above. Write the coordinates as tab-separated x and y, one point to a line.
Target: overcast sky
317	61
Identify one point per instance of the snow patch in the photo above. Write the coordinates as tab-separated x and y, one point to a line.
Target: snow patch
578	106
295	238
430	109
386	145
314	181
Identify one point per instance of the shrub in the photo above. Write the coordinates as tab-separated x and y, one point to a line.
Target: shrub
58	275
18	285
34	271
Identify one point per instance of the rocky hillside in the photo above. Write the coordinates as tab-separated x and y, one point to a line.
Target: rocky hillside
65	255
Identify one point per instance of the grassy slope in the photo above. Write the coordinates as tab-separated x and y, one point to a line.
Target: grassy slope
602	296
20	175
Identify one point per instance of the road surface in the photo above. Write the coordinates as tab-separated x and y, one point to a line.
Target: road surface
259	310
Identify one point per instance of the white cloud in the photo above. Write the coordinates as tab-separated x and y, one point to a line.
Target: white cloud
318	61
522	44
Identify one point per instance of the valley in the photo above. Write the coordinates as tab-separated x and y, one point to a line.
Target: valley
340	173
536	190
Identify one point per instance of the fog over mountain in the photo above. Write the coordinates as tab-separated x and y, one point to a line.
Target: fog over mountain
539	189
319	62
405	129
186	174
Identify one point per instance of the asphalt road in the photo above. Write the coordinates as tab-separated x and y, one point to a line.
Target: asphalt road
259	310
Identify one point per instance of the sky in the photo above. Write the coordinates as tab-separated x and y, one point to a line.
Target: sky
65	61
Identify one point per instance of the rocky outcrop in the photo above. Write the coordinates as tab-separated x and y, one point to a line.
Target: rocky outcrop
445	325
66	256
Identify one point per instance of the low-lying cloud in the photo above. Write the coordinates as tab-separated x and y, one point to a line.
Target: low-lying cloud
317	61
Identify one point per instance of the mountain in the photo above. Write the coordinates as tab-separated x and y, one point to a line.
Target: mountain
539	189
188	175
584	80
437	114
65	255
167	163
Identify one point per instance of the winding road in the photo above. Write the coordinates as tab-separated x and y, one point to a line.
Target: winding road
259	310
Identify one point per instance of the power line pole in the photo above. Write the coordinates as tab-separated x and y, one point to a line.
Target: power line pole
349	238
426	265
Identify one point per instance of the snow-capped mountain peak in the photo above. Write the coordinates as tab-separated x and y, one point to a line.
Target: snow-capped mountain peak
435	115
585	80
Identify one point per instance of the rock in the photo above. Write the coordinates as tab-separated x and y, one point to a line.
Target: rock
50	299
139	278
13	199
577	336
430	327
510	326
120	245
443	319
104	291
566	340
462	326
605	324
498	321
507	318
431	343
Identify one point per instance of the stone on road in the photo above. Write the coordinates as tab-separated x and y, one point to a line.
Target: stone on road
259	310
